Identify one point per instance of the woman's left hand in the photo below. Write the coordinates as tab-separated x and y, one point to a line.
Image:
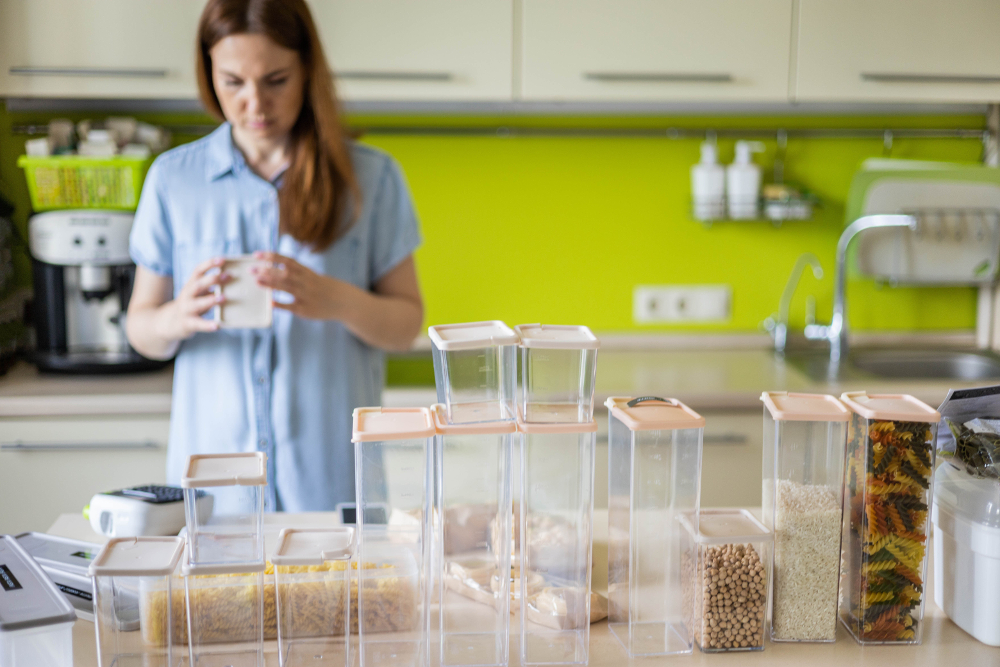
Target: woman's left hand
316	296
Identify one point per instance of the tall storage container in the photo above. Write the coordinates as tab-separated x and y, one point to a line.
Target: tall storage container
558	368
556	538
472	540
654	469
312	579
803	501
233	533
225	614
393	449
133	580
36	621
475	367
890	467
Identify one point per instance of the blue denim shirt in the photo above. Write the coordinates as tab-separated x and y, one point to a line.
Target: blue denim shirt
289	390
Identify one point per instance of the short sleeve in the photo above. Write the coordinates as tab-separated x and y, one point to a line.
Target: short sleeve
394	228
151	243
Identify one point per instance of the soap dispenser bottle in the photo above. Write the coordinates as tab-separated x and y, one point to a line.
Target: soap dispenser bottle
708	185
743	182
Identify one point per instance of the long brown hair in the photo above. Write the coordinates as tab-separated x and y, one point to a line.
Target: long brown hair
315	187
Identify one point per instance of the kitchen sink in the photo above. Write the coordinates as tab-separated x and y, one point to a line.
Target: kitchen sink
899	364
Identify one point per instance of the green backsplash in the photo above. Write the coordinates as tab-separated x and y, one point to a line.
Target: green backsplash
560	230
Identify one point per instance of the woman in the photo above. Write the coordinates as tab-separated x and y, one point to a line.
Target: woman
332	222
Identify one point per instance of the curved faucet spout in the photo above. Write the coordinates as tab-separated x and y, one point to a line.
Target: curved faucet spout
779	328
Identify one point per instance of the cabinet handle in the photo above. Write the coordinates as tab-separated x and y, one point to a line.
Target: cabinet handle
18	446
372	75
118	72
891	77
658	77
724	439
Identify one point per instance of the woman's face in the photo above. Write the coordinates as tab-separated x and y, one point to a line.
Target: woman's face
260	85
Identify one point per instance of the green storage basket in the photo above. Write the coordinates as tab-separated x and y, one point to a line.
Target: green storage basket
79	181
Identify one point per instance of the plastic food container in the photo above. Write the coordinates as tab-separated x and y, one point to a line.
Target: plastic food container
556	539
312	575
890	465
473	503
393	449
225	613
803	500
36	621
726	571
654	464
233	533
966	517
475	371
128	631
557	373
66	563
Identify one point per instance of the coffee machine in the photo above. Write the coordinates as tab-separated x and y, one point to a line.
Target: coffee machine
83	281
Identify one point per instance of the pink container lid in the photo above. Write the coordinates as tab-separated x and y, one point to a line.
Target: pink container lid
138	557
893	407
557	337
442	426
472	335
376	424
792	407
556	427
237	469
651	413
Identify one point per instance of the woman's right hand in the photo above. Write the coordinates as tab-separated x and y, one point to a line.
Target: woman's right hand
183	318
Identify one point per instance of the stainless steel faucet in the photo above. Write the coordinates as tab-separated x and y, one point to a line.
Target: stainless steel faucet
836	332
779	328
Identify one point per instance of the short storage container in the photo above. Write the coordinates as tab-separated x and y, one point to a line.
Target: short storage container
475	367
36	621
233	532
129	630
654	470
225	614
727	572
558	368
890	468
803	500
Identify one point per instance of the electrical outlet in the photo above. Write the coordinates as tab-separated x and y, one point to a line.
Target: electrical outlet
653	304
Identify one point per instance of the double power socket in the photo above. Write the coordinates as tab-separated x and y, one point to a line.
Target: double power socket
667	304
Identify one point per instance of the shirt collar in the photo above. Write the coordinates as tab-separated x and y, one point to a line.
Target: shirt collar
221	152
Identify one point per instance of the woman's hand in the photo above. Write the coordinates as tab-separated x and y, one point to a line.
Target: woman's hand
183	318
316	296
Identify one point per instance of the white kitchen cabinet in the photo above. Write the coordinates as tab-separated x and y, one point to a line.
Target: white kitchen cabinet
53	465
888	50
655	50
98	48
428	50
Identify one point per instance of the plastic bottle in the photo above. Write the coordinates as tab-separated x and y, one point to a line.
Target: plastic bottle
708	185
743	182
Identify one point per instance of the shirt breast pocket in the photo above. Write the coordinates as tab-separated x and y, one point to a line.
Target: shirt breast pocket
190	254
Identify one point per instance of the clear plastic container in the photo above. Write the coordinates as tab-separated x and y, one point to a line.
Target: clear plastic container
225	614
475	371
130	631
726	572
312	576
556	539
393	449
558	368
36	621
471	540
233	532
654	466
803	504
890	467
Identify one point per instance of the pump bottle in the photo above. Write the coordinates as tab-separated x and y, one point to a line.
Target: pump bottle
708	185
743	182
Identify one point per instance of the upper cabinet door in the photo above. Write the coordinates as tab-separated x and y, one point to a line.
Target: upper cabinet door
98	48
892	50
426	50
656	50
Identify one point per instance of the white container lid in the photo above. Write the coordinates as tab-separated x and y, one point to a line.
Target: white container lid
442	426
792	407
652	413
472	335
892	407
189	569
313	546
378	424
243	469
60	553
726	526
555	428
557	337
28	598
965	496
138	557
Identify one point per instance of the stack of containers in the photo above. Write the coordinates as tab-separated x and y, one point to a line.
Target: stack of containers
558	367
803	482
475	373
654	471
890	467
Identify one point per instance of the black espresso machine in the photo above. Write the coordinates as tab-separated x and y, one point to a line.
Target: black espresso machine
83	281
